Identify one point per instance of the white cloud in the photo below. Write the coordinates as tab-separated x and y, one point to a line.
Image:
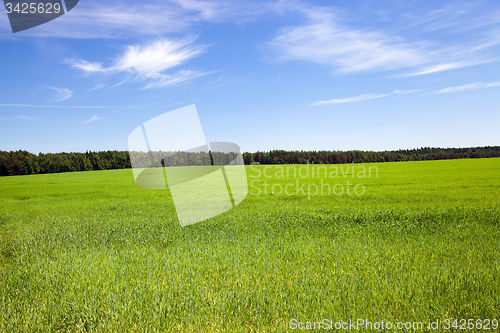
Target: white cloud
88	66
326	38
93	118
457	17
449	66
17	118
359	98
460	88
157	56
23	118
115	19
365	97
148	61
325	41
164	80
97	87
128	19
64	107
62	94
472	86
208	10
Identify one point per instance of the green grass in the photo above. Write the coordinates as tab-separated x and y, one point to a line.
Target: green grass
91	251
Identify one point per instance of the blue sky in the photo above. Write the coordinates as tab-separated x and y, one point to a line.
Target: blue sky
294	75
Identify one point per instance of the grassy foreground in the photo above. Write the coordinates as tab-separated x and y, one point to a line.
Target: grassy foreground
91	251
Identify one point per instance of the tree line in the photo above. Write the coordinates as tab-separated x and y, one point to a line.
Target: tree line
22	162
358	156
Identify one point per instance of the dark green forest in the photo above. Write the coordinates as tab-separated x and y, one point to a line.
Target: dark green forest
25	163
358	156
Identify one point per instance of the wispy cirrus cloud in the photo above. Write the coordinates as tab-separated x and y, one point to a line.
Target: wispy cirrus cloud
471	86
325	40
366	97
449	66
62	94
150	58
65	107
329	39
89	67
93	118
125	19
456	18
149	62
360	98
20	117
163	80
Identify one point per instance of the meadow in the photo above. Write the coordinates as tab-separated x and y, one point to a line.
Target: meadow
93	252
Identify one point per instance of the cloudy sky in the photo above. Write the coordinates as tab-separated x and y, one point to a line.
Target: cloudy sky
286	74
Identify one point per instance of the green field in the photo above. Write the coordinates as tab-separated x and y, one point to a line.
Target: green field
91	251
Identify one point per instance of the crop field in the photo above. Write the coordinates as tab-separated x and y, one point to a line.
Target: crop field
399	242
